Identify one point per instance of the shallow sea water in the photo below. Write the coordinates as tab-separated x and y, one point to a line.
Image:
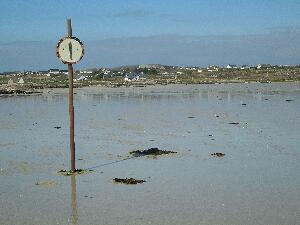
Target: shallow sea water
256	182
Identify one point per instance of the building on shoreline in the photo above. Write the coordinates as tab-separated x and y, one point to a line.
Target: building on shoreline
231	66
263	66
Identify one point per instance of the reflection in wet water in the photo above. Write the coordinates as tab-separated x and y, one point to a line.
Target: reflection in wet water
206	92
256	182
74	214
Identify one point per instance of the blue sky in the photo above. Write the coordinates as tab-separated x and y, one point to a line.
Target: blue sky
142	26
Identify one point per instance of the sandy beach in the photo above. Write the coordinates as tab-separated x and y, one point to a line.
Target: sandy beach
256	181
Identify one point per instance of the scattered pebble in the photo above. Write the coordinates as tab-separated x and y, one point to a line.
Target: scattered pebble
244	104
234	123
191	117
289	100
86	196
57	127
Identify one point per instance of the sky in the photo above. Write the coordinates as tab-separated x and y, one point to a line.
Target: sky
127	32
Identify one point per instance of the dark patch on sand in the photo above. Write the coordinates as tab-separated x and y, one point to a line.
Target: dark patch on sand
217	154
76	172
128	181
18	92
151	151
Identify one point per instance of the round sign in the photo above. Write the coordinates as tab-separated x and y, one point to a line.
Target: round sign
70	50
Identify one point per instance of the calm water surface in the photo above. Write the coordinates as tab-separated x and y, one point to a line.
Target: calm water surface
257	182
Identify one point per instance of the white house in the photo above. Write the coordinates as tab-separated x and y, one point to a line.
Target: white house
21	81
164	73
263	66
212	68
54	71
86	71
10	82
64	72
230	66
245	67
127	78
81	78
132	77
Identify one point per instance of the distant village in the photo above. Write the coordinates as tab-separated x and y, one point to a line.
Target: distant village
153	74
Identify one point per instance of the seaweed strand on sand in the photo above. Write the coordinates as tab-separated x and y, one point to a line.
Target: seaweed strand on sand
151	151
128	181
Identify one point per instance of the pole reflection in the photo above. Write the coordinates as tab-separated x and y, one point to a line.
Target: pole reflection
74	214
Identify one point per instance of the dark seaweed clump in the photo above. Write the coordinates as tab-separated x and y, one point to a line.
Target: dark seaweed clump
76	172
11	92
234	123
218	154
150	151
128	181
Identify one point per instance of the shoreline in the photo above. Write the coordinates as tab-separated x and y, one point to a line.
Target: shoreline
22	90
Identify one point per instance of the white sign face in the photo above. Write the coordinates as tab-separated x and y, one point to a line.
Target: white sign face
70	50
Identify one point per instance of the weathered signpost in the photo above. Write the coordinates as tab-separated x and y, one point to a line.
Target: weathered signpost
70	50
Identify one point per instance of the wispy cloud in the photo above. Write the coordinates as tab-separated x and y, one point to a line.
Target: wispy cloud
183	20
280	48
174	17
134	13
284	28
274	48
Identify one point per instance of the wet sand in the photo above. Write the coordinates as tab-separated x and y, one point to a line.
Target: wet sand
256	181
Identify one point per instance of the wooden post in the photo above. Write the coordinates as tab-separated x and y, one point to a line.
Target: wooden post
71	105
